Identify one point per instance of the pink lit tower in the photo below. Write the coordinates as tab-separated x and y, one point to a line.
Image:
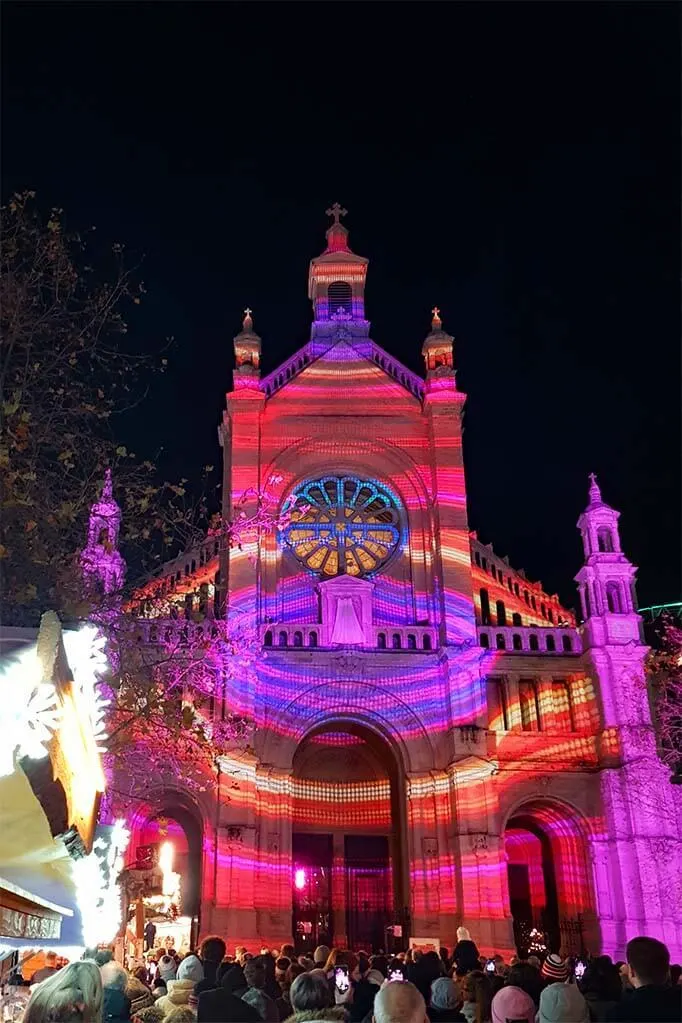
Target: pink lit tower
638	855
102	564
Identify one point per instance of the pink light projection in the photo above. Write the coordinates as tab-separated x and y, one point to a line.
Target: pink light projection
460	714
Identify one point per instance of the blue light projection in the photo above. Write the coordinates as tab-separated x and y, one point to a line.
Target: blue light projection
342	524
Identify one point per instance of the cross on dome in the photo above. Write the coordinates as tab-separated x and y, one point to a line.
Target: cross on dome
595	492
336	211
248	320
436	321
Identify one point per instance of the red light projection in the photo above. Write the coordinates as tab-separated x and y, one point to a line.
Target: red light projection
433	736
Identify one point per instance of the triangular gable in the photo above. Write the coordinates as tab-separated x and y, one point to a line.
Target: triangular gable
346	373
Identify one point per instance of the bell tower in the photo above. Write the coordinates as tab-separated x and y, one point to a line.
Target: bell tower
336	285
102	564
606	582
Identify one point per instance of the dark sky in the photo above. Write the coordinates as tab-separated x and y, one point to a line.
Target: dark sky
517	164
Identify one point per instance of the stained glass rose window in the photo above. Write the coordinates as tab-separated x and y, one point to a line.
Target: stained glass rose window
342	524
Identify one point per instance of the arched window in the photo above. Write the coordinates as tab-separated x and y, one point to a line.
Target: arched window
298	639
485	606
499	641
566	644
103	538
282	639
550	615
312	639
586	601
501	613
543	610
613	598
517	619
533	604
526	597
396	641
516	642
340	296
533	641
477	558
516	589
267	641
411	642
426	642
604	540
551	645
485	641
530	709
381	640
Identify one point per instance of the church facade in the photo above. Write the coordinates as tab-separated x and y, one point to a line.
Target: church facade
435	740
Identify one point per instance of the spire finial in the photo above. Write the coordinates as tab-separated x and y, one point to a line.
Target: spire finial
107	489
336	211
595	492
247	322
436	322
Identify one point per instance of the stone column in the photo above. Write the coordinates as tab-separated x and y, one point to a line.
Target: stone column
338	890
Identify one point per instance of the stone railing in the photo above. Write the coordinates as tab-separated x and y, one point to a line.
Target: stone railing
173	632
394	639
517	639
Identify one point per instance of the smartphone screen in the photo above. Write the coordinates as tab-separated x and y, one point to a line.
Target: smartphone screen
396	975
580	970
490	966
341	978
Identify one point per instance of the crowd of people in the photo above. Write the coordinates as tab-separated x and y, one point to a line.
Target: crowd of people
339	986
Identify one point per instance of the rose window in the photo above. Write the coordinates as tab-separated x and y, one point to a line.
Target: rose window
341	524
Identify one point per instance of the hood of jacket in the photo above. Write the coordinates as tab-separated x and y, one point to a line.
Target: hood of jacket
178	994
335	1014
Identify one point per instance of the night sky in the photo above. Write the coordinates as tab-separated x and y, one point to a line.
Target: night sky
517	165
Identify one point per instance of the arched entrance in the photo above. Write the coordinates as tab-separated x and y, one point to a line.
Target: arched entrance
550	884
170	838
349	865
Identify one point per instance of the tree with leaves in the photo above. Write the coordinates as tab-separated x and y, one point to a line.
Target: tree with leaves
68	374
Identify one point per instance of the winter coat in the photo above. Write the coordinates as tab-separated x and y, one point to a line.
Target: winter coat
651	1002
466	955
262	1003
335	1014
178	994
115	1006
220	1006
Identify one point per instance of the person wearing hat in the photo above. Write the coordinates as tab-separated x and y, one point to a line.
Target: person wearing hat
190	972
562	1003
444	1001
512	1003
167	969
321	955
555	969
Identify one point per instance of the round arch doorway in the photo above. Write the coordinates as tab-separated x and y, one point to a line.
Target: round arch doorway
171	837
550	882
348	848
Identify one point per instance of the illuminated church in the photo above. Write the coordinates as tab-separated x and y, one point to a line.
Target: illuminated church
436	741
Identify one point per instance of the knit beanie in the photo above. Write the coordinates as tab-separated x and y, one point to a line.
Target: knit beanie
191	969
167	968
555	968
512	1003
443	994
563	1003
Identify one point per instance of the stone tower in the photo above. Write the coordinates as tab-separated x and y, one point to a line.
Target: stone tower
102	564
